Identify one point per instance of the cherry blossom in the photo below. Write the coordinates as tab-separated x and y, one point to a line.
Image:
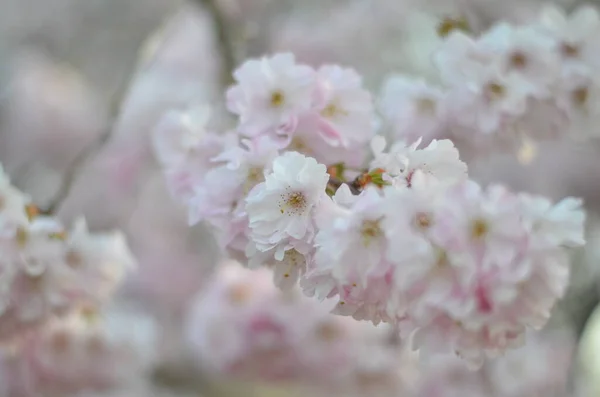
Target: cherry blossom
281	207
345	108
413	108
242	326
539	368
185	148
404	236
271	93
48	270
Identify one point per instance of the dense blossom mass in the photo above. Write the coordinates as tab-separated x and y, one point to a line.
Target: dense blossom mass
243	326
51	281
48	270
394	229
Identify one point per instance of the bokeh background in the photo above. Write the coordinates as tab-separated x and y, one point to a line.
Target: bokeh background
84	82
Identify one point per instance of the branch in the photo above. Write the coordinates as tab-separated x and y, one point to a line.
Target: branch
95	147
335	184
74	168
224	39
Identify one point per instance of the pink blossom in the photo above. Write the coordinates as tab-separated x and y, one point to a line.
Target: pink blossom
270	92
47	270
574	34
526	54
345	109
413	108
353	243
402	165
539	368
281	207
76	354
308	140
185	149
242	326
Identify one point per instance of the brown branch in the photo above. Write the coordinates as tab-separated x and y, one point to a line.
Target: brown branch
225	42
73	171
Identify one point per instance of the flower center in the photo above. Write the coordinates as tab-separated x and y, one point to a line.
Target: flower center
295	203
370	230
423	221
479	228
239	293
89	314
426	106
60	236
292	259
442	258
580	96
253	178
569	50
22	237
328	331
297	145
495	91
277	99
332	110
448	25
518	60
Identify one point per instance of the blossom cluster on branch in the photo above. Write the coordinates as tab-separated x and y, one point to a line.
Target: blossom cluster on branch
52	282
305	183
242	326
510	84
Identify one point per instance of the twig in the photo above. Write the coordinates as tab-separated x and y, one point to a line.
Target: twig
336	183
73	171
88	152
225	45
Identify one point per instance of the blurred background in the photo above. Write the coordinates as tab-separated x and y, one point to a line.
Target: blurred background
84	82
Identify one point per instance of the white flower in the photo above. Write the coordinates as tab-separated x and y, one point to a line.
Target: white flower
288	261
412	108
180	134
346	108
281	207
250	162
459	58
270	92
101	260
215	196
354	242
439	162
526	54
487	100
576	34
185	149
554	225
578	94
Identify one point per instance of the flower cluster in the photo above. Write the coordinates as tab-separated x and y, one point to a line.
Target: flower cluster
506	86
539	369
49	278
401	234
69	356
282	106
243	326
47	270
467	268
